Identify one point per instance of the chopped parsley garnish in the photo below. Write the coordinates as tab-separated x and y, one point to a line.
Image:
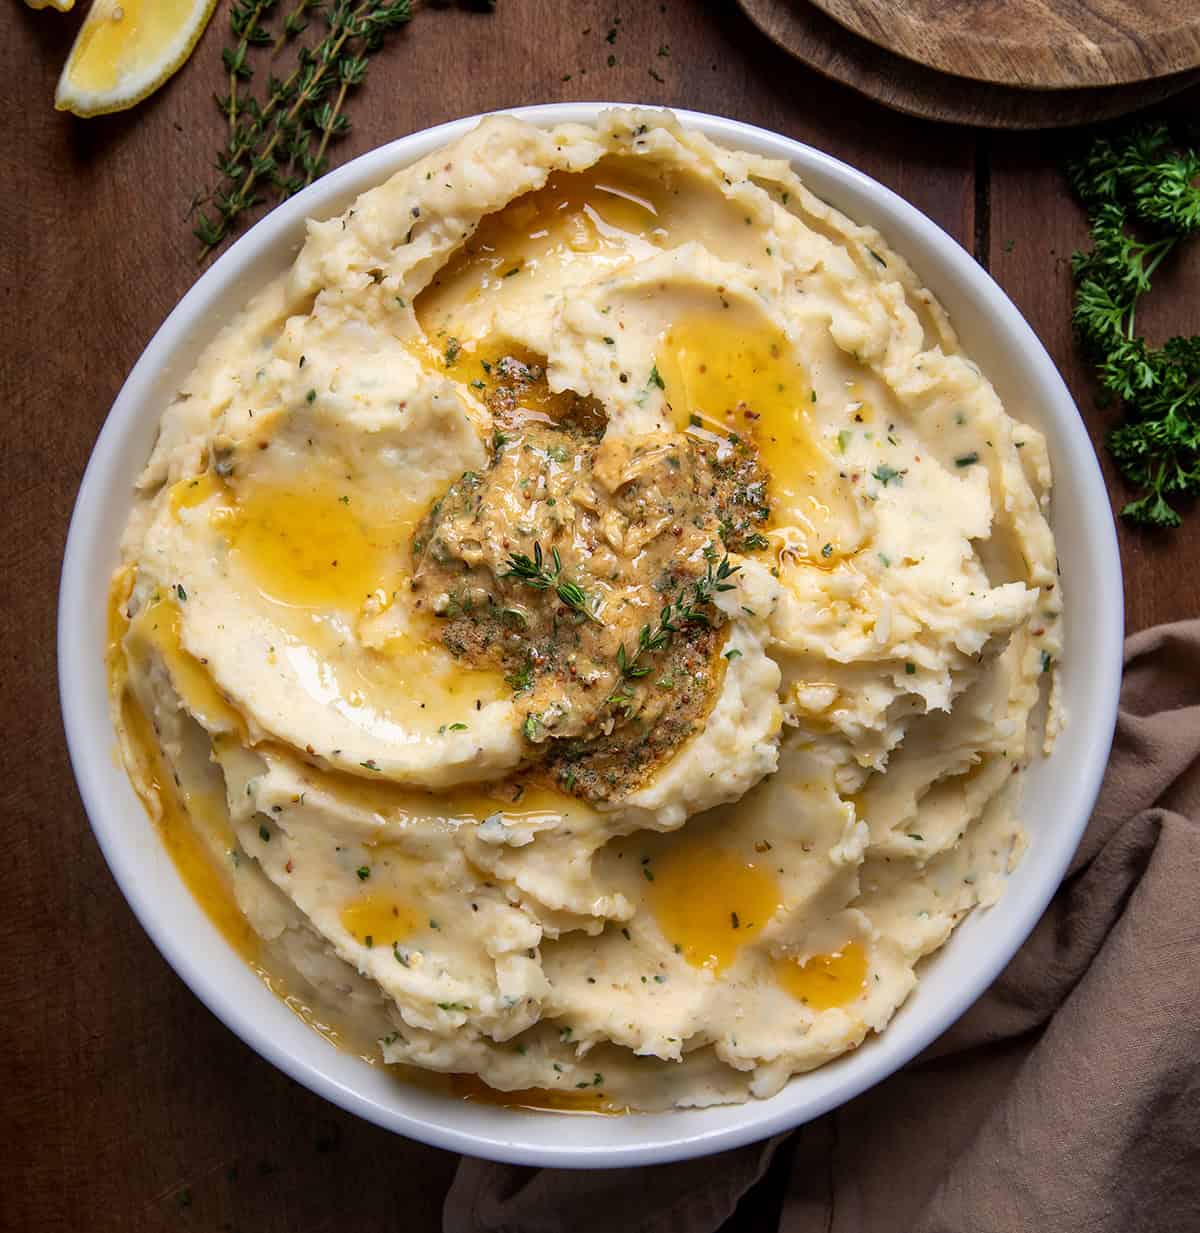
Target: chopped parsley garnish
967	460
363	872
886	475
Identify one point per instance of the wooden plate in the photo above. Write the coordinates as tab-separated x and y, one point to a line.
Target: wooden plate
1033	44
912	88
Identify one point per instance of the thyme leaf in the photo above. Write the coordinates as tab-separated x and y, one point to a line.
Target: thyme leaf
688	608
278	136
534	572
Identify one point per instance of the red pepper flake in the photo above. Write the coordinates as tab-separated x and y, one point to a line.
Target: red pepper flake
288	866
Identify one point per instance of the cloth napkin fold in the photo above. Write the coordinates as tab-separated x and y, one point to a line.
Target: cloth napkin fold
1067	1099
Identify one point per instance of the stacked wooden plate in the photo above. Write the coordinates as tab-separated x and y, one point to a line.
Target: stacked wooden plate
996	63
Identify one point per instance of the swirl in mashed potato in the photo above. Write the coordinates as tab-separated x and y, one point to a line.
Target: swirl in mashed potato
582	626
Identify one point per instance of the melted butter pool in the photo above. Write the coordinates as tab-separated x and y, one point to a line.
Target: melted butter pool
598	218
596	214
710	903
158	626
825	982
315	552
724	372
311	545
380	919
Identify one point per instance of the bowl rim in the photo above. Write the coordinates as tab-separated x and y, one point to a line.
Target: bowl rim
759	1119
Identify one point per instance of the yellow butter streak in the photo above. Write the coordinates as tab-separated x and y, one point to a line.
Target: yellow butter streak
825	982
710	903
326	544
381	917
594	212
322	539
723	373
159	626
471	1087
180	819
309	545
190	493
176	817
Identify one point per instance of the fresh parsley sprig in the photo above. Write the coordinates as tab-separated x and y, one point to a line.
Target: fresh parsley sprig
534	572
688	608
1140	193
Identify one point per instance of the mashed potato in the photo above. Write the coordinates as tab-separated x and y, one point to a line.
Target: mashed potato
581	628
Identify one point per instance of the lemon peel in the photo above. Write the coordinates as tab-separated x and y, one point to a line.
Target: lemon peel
125	50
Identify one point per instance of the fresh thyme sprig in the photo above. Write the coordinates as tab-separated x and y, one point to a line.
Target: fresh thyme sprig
295	23
534	572
279	144
248	31
1140	193
688	608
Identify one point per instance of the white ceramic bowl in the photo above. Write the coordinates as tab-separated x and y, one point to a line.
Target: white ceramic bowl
1058	794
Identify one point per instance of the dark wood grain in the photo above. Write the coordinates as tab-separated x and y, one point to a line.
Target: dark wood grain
124	1106
1035	44
904	85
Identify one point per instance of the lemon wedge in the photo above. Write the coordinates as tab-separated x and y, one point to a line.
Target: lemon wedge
63	6
125	50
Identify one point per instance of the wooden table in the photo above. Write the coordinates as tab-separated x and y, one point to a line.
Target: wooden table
124	1105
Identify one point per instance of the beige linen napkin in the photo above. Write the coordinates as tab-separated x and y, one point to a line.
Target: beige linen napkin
1067	1099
